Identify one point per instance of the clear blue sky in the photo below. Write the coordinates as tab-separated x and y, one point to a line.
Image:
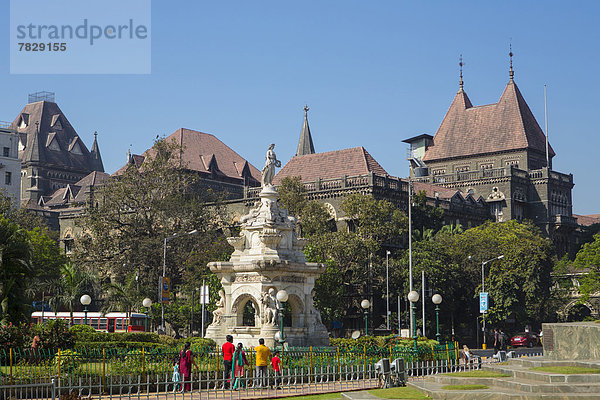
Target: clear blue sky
373	73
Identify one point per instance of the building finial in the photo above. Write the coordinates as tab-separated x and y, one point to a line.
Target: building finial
95	135
460	64
306	109
511	72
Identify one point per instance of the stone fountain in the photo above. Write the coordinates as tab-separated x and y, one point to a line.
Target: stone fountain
268	257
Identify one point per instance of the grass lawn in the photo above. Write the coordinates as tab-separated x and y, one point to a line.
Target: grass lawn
464	387
567	370
398	393
478	374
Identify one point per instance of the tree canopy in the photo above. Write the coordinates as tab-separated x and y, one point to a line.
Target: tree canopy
589	258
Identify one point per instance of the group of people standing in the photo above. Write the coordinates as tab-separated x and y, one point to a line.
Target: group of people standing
234	361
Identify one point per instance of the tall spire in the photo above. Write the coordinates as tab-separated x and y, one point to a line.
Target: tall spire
96	158
511	73
305	144
460	64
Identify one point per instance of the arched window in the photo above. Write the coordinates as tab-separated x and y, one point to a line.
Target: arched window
248	318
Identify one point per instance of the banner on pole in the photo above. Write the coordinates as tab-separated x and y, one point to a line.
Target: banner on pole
165	289
483	302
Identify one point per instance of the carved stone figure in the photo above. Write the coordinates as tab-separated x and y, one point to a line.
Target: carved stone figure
220	310
268	171
269	309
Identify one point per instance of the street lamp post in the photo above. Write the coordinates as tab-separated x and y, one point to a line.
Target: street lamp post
387	288
85	301
483	263
365	304
437	300
413	297
147	303
164	274
282	297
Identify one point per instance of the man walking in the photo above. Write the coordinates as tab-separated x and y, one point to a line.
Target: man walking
263	357
227	349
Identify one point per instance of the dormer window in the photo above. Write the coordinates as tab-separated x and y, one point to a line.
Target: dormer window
75	148
55	124
24	122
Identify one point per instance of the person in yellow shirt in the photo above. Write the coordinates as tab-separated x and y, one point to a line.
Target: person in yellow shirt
263	357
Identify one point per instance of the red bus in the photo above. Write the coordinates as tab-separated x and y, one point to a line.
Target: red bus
109	322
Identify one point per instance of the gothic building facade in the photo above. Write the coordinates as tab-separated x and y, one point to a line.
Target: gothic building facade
52	153
500	153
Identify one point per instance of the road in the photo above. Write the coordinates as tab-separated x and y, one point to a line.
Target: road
518	350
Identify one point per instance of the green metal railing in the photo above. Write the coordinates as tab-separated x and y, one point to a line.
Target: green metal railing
23	366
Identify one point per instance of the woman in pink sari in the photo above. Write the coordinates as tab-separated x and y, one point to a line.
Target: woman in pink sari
186	359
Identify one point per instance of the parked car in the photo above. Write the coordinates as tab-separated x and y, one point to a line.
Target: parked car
524	339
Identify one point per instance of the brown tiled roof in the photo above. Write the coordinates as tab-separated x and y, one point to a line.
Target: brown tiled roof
503	126
430	190
587	220
53	125
78	191
203	152
93	179
330	165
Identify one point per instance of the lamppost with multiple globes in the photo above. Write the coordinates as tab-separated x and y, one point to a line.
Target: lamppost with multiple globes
85	301
437	300
413	297
365	304
147	303
282	297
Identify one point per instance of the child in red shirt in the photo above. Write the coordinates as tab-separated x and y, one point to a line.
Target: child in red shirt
276	363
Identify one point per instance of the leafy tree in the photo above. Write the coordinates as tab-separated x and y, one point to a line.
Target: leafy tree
141	208
313	217
355	259
15	256
73	283
425	216
589	258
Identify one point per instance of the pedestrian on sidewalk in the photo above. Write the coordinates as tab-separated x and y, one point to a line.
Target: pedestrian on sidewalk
276	363
263	357
239	361
176	378
496	340
186	360
227	349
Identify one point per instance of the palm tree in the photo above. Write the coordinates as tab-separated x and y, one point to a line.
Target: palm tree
71	284
15	257
122	296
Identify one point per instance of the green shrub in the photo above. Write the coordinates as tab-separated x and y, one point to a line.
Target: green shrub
67	361
15	336
54	334
81	329
118	345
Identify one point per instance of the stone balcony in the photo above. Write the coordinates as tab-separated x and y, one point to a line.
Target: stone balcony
563	220
494	173
344	183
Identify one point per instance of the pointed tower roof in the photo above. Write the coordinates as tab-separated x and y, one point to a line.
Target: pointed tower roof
57	141
305	144
503	126
95	157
